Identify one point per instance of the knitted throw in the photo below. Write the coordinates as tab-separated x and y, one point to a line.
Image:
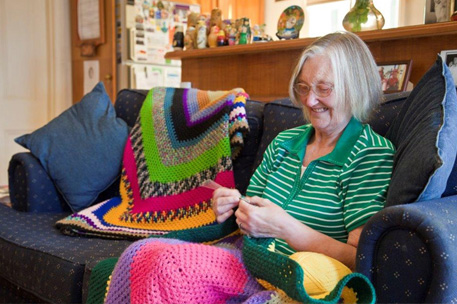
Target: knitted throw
181	138
194	266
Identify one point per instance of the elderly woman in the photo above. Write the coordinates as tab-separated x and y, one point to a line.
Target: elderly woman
318	184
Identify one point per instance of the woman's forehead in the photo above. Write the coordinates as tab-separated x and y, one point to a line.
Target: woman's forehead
317	69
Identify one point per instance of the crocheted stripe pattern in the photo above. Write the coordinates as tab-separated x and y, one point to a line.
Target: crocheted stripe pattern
170	270
181	138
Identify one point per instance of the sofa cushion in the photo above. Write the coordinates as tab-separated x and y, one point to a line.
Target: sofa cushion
82	148
278	116
39	259
381	119
128	104
242	165
424	134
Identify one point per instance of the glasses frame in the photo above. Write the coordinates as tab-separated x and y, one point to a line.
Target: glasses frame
297	86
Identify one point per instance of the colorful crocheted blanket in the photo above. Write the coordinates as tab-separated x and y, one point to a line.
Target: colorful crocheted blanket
181	138
193	266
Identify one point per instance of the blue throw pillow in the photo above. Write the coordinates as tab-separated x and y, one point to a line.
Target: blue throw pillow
82	148
424	134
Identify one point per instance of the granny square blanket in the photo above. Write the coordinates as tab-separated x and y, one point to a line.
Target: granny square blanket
181	138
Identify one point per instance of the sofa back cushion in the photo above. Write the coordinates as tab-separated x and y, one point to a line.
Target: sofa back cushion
424	134
381	119
242	165
279	115
282	114
128	104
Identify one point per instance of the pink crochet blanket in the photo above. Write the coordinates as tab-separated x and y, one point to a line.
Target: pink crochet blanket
187	267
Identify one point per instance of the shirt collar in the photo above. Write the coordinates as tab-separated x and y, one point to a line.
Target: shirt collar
340	153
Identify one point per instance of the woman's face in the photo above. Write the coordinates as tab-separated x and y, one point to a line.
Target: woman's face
324	113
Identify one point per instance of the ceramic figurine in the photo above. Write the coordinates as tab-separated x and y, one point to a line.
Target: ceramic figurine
201	35
178	38
256	35
232	34
190	39
246	28
221	38
212	37
238	28
216	18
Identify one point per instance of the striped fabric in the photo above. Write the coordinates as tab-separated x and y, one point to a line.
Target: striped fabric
181	138
337	192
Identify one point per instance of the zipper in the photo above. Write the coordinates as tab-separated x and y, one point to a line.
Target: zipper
299	182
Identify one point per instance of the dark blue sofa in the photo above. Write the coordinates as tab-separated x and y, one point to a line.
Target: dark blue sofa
409	251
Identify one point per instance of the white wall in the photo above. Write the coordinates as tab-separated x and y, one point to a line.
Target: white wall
35	69
411	12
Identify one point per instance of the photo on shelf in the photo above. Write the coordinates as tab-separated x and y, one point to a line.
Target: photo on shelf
437	11
394	75
450	57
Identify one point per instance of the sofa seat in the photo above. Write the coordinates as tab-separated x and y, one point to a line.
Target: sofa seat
42	261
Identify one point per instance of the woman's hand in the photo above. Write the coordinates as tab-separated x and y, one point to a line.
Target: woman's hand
224	200
262	218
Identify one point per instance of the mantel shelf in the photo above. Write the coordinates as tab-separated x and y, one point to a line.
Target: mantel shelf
407	32
264	69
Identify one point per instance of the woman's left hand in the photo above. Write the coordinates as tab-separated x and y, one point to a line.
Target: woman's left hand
262	218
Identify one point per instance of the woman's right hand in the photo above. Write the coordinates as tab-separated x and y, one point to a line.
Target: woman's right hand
224	200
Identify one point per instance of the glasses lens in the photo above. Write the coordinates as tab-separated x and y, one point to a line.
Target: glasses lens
323	90
301	89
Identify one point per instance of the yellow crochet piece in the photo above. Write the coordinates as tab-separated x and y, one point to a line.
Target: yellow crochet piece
322	274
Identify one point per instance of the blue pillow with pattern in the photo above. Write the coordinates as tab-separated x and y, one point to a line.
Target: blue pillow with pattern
82	148
424	133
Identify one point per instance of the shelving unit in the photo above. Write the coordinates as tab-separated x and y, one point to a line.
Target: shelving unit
264	69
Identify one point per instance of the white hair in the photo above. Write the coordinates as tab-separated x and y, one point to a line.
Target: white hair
357	84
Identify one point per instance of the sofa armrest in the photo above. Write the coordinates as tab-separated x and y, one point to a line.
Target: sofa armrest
31	189
408	252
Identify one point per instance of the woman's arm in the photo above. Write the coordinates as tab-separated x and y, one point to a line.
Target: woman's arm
262	218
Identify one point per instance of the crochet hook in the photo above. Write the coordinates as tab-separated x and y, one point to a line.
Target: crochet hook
213	185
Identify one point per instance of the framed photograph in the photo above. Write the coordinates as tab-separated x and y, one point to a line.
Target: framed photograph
450	57
394	75
438	10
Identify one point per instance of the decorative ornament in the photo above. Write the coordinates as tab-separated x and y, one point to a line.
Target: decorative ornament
290	22
363	16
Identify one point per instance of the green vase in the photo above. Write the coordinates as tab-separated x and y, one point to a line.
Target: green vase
363	16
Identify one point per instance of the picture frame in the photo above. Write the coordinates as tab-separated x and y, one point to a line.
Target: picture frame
438	10
394	75
450	58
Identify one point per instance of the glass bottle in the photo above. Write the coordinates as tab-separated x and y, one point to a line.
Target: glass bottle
363	16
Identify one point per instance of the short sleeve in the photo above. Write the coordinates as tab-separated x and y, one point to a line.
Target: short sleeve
365	179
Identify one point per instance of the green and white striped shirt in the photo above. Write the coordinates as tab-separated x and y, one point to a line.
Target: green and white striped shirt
337	192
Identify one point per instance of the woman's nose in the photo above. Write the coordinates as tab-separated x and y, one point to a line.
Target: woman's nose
310	99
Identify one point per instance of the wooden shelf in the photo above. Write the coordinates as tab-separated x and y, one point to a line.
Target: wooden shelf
263	69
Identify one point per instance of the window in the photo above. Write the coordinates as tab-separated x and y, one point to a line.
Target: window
324	18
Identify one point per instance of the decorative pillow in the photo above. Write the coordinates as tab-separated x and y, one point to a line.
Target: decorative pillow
424	134
82	148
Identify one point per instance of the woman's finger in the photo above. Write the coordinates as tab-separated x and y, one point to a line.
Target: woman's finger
224	216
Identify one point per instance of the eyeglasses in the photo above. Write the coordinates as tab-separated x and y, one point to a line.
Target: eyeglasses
320	89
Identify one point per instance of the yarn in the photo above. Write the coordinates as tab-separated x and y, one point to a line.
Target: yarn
181	138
